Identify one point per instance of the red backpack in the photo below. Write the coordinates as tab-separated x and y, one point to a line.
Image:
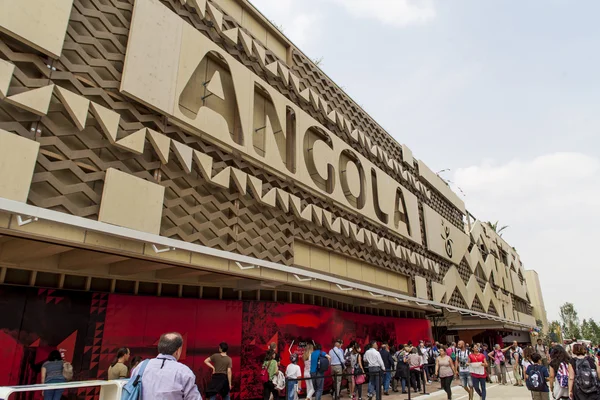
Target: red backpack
264	374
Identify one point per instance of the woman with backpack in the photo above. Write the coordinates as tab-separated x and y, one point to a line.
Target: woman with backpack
270	370
559	373
499	360
583	375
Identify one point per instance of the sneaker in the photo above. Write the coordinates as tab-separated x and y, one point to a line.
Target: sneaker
386	393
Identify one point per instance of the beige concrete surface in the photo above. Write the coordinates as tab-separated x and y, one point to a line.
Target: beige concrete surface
131	202
494	391
41	24
17	162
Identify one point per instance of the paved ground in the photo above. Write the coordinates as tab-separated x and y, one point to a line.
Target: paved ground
494	391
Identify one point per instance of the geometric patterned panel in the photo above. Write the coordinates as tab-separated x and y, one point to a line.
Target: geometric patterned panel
78	146
457	300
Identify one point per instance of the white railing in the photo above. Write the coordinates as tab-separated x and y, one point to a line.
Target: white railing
109	390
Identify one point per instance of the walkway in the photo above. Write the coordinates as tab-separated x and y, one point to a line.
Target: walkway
494	391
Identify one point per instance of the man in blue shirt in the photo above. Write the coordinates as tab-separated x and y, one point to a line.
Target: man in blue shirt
318	376
337	367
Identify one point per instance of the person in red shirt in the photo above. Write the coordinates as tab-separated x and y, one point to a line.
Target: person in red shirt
477	366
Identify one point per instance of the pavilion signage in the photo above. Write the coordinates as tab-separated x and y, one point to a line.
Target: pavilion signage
176	70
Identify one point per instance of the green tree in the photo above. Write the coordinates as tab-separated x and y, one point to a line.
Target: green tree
590	330
585	329
496	228
570	321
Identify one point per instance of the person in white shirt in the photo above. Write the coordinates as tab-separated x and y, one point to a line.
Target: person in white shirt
293	372
462	360
373	358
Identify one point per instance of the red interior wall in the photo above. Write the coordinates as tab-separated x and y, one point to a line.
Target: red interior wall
90	327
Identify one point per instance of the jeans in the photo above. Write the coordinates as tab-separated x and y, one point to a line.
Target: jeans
374	382
387	377
53	394
447	385
292	392
318	379
395	381
479	386
465	379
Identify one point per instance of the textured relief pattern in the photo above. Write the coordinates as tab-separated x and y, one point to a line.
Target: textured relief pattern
457	300
76	152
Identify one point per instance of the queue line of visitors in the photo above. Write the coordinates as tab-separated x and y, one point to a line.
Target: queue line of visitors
567	376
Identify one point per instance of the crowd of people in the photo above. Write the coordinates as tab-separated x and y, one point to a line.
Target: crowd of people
569	372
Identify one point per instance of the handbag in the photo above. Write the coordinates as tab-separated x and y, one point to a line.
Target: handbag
359	379
264	374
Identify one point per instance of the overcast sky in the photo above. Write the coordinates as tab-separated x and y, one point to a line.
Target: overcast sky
505	94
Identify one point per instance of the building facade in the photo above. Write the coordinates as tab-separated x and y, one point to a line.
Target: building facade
181	165
534	289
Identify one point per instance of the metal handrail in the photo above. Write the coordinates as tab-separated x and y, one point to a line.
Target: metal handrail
109	390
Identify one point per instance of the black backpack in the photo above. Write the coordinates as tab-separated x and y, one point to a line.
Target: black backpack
430	356
322	364
535	379
586	377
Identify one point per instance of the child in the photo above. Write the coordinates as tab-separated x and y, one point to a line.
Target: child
536	378
292	372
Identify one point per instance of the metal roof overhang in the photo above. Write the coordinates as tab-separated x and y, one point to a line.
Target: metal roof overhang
26	212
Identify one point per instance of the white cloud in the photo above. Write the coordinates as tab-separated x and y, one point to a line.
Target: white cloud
392	12
552	205
297	21
303	29
301	20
